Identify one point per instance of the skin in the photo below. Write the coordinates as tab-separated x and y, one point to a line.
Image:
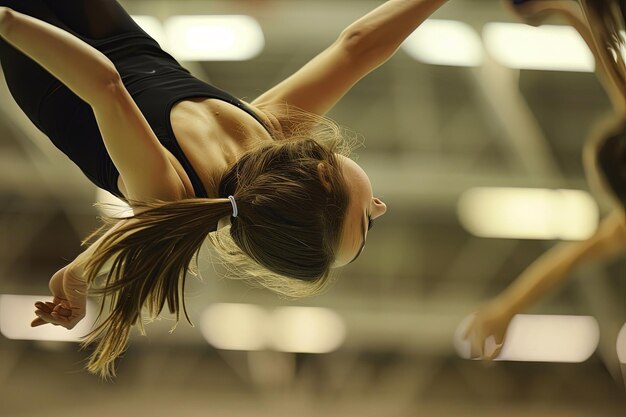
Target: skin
359	49
363	206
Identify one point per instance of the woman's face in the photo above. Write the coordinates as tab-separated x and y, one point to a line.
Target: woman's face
363	208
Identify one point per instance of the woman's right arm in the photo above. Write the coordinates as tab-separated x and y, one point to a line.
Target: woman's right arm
548	271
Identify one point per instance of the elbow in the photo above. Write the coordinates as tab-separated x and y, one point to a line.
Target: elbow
363	46
112	80
353	40
106	90
111	83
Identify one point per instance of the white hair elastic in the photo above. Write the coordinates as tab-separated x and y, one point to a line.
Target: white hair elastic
234	204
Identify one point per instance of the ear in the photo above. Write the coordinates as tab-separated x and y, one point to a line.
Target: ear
324	174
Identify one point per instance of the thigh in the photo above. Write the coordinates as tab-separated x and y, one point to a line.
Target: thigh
62	116
28	82
94	19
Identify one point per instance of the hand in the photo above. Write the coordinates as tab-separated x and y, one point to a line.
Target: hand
486	332
68	305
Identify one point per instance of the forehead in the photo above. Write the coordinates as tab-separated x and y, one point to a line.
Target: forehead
352	171
359	192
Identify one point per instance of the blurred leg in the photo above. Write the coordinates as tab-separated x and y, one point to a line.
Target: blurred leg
600	24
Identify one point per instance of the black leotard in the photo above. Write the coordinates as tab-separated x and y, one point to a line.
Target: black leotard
154	79
156	82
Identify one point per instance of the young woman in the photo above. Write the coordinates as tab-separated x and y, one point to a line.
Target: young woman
599	23
188	156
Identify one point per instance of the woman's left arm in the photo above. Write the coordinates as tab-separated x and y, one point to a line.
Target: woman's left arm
361	47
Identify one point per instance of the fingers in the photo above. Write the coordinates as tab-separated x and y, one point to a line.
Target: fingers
494	353
470	335
476	346
492	348
48	307
54	318
498	339
58	314
484	347
38	322
62	310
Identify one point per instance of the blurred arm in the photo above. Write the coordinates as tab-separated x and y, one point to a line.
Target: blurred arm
492	319
554	266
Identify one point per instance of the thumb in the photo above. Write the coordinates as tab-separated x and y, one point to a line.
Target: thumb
38	322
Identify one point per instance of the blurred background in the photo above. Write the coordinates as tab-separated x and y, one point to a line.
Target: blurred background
448	115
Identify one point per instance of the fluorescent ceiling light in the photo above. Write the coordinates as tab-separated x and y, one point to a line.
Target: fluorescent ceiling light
235	326
153	27
445	42
307	330
541	338
526	213
548	47
214	38
287	329
17	311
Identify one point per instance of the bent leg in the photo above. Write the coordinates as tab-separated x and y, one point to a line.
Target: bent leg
62	116
90	20
94	19
28	82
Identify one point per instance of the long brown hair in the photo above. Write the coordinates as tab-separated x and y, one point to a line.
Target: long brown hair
291	198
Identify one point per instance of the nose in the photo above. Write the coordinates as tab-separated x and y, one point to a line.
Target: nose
378	208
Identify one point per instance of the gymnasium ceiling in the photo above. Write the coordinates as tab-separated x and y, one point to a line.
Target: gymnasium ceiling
429	133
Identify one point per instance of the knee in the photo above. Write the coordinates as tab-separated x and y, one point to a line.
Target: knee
7	17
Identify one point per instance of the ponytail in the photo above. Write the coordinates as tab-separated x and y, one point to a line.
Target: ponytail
150	255
286	226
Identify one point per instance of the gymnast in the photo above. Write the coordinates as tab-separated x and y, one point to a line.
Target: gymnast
599	22
273	174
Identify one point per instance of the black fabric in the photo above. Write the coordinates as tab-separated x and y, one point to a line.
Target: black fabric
154	79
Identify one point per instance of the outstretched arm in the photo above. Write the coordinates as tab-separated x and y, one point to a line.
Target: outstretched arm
360	48
93	77
548	271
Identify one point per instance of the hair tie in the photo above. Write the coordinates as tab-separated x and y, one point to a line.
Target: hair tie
234	204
